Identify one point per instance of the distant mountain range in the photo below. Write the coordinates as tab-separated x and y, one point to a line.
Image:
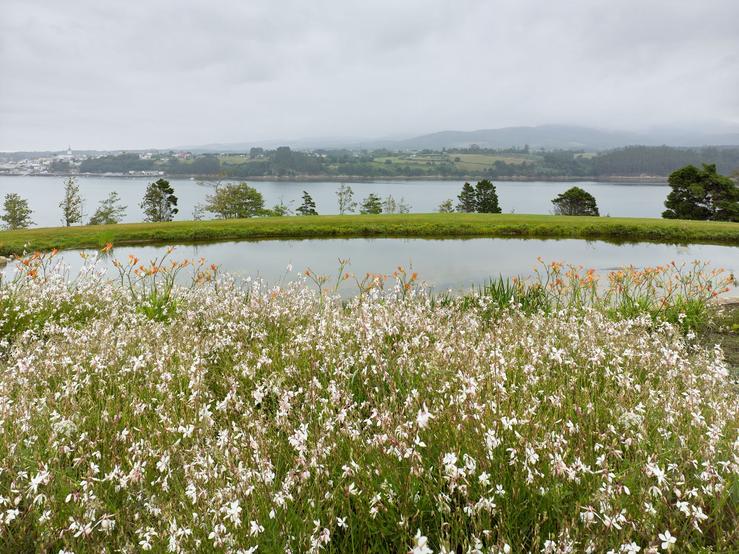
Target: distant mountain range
549	137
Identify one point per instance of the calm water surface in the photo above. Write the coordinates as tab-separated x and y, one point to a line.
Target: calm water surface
445	264
616	199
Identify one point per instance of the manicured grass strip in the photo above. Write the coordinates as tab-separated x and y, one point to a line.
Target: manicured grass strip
406	225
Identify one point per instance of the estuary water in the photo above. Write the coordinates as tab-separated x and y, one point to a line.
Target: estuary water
615	199
455	264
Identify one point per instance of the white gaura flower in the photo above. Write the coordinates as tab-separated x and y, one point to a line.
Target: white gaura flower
232	511
420	545
668	541
38	479
423	417
255	529
450	459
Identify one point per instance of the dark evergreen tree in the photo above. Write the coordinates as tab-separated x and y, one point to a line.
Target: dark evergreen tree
575	201
486	198
308	207
702	194
159	203
467	199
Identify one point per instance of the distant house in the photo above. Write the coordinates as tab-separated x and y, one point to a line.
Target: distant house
68	156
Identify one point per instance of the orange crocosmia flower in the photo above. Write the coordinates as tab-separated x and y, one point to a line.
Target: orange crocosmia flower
414	276
54	251
107	248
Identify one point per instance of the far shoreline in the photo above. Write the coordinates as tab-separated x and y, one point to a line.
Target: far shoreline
650	179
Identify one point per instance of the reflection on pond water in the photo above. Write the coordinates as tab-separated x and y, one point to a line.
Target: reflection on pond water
456	264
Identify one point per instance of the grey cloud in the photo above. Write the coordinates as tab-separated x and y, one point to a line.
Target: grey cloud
168	72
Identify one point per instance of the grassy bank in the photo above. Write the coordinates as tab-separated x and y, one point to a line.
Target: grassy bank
226	419
409	225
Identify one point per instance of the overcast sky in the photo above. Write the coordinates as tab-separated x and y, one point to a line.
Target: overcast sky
163	73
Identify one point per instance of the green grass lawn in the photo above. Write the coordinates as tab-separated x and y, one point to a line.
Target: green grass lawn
479	162
407	225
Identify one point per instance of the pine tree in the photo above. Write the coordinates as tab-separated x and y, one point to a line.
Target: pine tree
447	206
109	211
280	209
159	203
71	205
17	213
467	199
486	198
702	194
308	207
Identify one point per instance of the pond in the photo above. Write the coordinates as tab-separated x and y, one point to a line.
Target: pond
616	199
456	264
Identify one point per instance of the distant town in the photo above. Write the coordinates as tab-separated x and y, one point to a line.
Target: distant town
515	163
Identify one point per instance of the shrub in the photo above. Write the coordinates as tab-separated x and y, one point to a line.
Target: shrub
702	194
575	201
235	201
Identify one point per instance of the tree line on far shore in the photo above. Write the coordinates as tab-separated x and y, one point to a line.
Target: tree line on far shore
696	193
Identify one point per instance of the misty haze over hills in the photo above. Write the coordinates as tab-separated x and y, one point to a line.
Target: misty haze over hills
548	137
541	137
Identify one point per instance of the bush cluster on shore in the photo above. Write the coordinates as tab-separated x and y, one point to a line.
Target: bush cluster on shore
145	416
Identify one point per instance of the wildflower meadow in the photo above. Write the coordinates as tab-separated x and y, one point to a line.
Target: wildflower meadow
170	408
